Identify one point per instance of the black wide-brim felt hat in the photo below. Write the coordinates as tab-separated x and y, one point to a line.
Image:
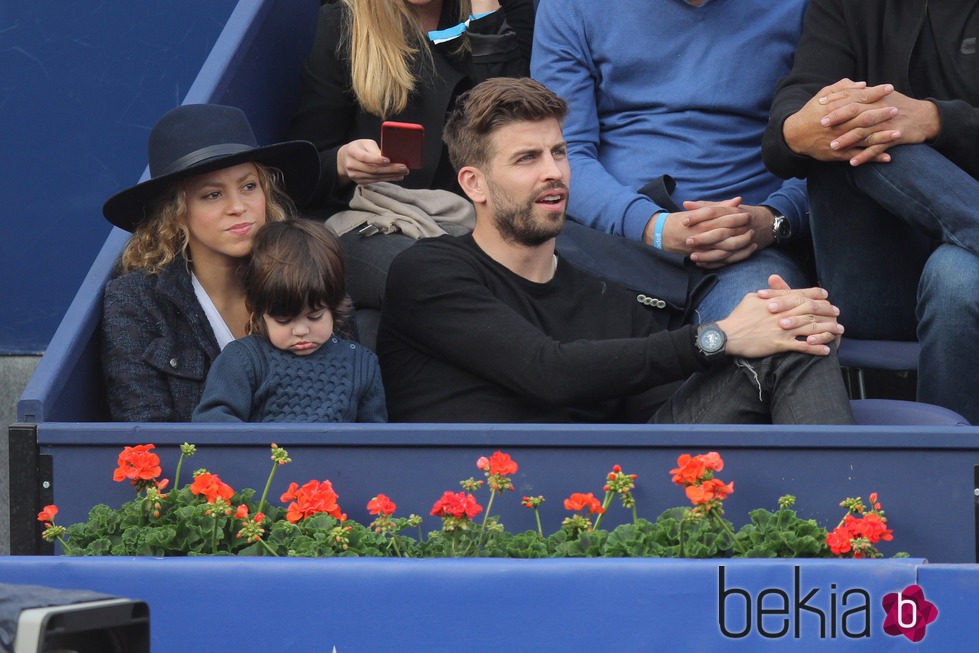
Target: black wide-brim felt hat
196	138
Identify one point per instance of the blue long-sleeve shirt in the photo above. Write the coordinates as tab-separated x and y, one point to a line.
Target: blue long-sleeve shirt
662	87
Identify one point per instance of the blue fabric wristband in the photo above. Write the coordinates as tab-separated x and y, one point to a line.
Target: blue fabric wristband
449	33
658	229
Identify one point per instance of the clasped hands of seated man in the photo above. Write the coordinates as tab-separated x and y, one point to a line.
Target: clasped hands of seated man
851	121
715	234
779	319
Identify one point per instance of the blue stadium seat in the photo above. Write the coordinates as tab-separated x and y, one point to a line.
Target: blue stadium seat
895	412
892	355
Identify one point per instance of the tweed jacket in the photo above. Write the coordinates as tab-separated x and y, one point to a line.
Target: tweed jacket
157	346
329	115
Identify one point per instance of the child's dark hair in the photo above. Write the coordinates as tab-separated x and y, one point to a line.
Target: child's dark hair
295	265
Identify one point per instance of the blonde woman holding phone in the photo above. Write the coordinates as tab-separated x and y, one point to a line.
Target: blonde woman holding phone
400	60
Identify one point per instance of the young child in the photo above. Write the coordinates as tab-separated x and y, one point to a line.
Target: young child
292	368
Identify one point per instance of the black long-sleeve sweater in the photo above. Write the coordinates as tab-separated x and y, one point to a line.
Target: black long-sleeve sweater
463	339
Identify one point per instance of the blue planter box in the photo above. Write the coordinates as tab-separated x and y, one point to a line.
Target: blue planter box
352	605
925	478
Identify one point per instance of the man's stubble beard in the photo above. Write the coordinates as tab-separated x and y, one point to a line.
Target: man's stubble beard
518	224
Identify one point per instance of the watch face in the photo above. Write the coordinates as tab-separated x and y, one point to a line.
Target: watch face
781	228
711	340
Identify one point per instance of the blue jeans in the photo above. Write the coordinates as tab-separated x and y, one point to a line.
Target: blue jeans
711	294
897	246
737	280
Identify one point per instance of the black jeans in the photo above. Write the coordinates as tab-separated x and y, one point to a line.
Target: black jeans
789	388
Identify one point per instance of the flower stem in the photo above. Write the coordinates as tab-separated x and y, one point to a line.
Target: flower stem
606	502
64	545
680	537
268	548
727	527
482	530
540	530
176	476
268	484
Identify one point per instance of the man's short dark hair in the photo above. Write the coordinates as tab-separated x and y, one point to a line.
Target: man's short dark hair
490	105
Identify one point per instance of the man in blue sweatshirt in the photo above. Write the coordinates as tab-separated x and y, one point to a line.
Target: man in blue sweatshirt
679	88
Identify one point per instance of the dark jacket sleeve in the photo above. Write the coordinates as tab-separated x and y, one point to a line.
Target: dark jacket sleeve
229	391
959	137
153	367
822	57
327	110
501	42
863	41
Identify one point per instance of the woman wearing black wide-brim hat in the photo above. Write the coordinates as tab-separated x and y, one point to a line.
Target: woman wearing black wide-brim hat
179	297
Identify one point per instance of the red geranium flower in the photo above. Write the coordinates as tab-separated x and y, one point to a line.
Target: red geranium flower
579	501
870	526
460	505
839	540
712	461
137	464
688	471
381	505
211	487
47	515
691	469
501	464
710	490
874	529
860	530
312	498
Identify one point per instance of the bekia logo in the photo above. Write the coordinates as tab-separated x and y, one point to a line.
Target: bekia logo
801	610
797	611
908	613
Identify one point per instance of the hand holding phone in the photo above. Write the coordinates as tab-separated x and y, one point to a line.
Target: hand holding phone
402	142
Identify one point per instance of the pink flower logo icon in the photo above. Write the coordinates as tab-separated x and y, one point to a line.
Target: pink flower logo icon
908	613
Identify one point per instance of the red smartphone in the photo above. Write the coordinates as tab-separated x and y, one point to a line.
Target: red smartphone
402	142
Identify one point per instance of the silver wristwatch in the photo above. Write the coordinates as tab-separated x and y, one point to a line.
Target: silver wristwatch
710	340
781	227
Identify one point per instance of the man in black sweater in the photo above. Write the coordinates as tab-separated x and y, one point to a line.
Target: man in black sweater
494	327
881	113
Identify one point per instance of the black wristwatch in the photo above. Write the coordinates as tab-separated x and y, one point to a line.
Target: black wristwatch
781	227
710	340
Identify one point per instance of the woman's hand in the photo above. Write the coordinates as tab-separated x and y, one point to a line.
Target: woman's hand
361	162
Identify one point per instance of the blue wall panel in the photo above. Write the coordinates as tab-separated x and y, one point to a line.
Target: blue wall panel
81	86
366	605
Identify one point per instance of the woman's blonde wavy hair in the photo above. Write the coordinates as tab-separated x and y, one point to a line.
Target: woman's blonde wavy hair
162	237
385	40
